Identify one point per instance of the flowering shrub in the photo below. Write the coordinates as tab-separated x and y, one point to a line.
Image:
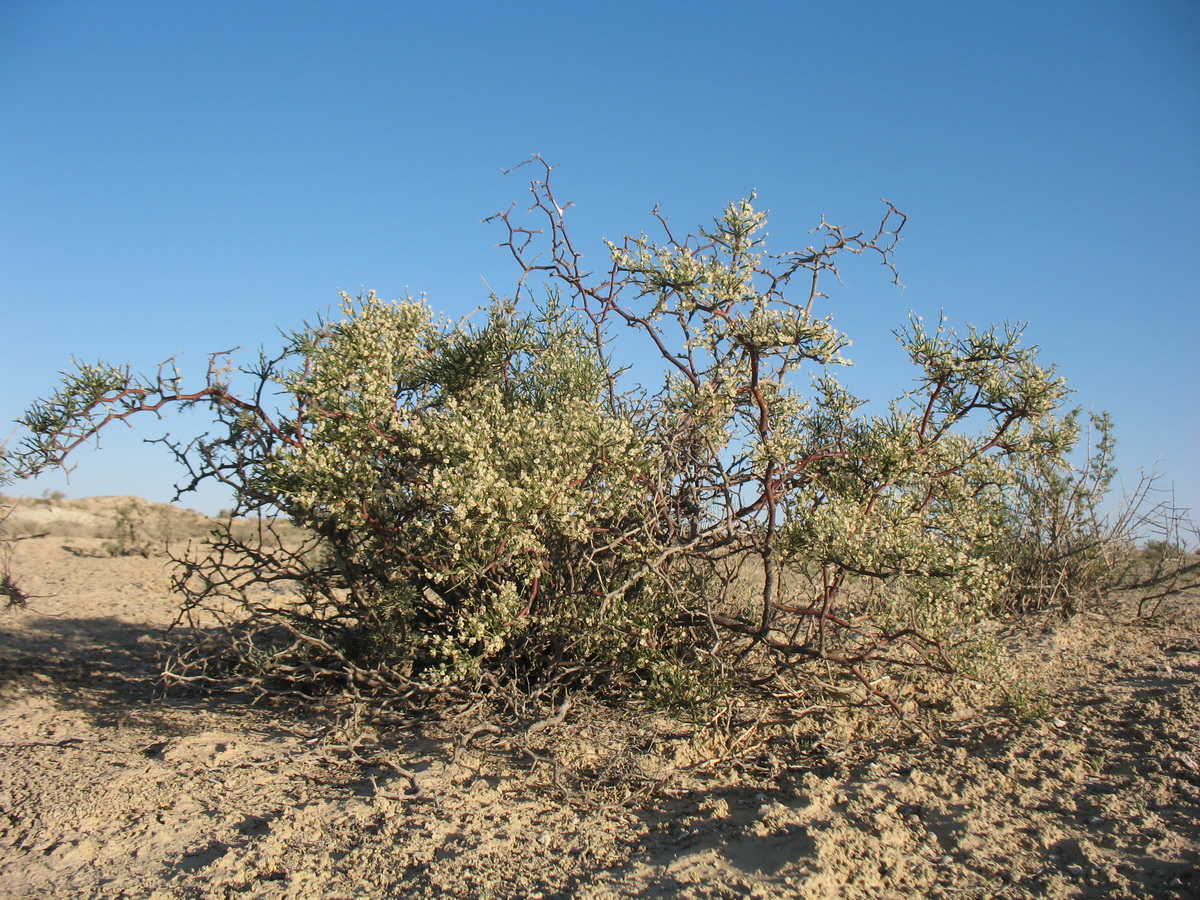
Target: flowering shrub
470	482
875	539
495	501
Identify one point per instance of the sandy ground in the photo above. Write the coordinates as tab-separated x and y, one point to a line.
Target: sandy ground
108	788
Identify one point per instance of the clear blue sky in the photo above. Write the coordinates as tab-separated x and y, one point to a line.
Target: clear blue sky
179	178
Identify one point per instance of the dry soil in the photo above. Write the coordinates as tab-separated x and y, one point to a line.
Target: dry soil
111	788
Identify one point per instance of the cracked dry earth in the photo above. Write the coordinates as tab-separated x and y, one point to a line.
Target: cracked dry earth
109	789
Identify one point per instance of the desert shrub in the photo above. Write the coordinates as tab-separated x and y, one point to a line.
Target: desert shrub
469	485
494	502
11	593
129	535
471	496
1070	548
1052	533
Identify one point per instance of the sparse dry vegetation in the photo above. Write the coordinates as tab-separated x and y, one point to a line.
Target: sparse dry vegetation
487	525
1086	786
495	504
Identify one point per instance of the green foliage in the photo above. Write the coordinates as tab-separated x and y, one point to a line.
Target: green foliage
1025	702
866	529
468	481
492	501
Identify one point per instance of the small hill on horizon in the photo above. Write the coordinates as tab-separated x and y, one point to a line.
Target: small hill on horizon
100	517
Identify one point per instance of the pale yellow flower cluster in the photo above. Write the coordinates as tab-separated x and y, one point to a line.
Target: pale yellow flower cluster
473	481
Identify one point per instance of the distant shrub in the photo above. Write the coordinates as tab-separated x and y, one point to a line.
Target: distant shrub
1066	550
11	593
1156	548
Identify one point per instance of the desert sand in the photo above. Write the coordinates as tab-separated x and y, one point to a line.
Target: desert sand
112	787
